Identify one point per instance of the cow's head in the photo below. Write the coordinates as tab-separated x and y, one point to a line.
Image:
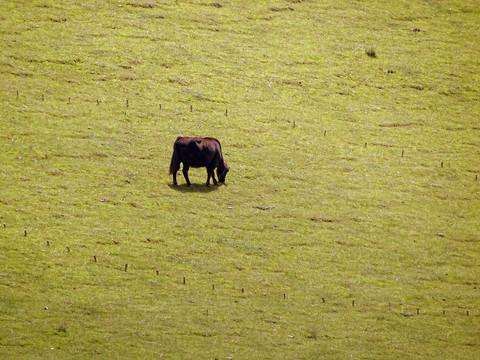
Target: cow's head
222	171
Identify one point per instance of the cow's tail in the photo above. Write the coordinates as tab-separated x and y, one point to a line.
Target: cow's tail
175	161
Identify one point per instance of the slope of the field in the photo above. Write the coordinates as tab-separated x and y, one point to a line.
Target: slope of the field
349	223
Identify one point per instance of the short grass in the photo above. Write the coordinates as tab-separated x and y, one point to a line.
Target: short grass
349	224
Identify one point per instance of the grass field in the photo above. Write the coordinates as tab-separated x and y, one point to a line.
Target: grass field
349	224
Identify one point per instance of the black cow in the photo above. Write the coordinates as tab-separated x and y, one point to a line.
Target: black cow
198	152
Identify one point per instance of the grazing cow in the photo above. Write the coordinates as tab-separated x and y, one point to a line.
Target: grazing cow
198	152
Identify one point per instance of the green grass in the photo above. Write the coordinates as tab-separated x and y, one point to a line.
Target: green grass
352	199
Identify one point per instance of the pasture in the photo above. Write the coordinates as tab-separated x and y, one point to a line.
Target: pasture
348	227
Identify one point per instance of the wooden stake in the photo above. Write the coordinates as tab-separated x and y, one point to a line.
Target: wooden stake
160	105
323	299
213	286
468	314
293	123
443	312
94	258
284	296
157	272
353	302
98	102
25	232
43	97
418	311
365	145
325	133
441	165
403	151
243	290
68	249
17	93
126	266
184	280
69	101
127	102
226	112
48	243
191	108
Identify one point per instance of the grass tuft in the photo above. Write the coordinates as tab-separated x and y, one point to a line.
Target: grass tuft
371	52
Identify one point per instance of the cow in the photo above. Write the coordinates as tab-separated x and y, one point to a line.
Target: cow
198	152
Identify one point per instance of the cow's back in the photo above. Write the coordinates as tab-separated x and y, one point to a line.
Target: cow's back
213	144
196	151
200	144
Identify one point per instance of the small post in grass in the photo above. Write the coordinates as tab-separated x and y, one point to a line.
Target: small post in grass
213	286
403	152
418	311
94	258
184	280
226	112
160	106
441	165
353	303
98	102
191	108
325	133
48	242
157	271
365	145
68	249
69	100
284	296
443	312
127	103
468	313
43	97
126	266
25	232
323	300
17	93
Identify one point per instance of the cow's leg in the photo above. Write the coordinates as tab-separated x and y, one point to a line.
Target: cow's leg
208	179
185	173
174	173
211	174
215	182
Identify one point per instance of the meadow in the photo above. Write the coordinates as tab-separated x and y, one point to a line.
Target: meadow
348	227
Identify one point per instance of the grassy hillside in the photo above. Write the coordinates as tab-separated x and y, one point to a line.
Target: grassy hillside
349	223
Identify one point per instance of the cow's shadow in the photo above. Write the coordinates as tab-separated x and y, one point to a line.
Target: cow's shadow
194	188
